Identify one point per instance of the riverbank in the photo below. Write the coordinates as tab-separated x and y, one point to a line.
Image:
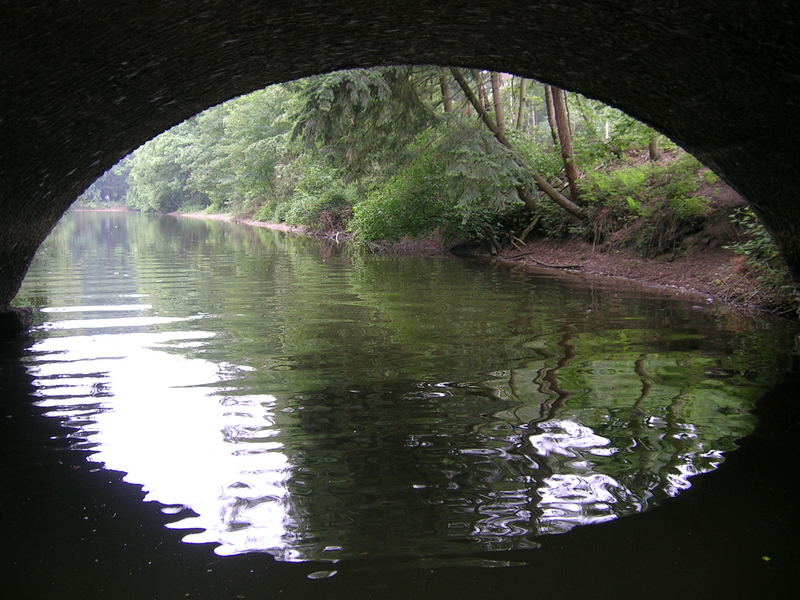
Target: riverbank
108	209
710	274
705	271
231	219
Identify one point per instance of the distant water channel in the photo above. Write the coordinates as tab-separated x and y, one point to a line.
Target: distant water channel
246	391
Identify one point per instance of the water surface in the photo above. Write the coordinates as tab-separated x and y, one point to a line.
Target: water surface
278	395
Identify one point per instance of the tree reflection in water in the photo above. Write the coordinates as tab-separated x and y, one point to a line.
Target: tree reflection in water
276	398
311	478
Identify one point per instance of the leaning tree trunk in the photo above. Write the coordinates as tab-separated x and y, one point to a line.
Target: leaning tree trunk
524	195
565	141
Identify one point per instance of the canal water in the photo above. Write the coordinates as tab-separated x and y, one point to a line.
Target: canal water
209	410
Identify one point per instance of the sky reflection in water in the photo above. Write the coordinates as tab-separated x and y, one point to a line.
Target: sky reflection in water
296	454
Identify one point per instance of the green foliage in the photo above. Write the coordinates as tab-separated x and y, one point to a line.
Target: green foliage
373	151
553	222
222	160
321	199
481	177
110	189
764	260
626	133
651	206
604	134
622	191
410	204
160	171
462	182
240	145
540	156
756	243
361	119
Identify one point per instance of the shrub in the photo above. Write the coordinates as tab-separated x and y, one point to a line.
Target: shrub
756	243
321	200
266	210
462	183
649	206
764	263
410	204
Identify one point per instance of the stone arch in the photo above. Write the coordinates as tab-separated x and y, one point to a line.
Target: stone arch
84	84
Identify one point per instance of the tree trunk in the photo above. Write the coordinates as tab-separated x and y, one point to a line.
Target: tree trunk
447	98
524	194
568	113
479	85
565	140
523	84
497	100
551	113
653	147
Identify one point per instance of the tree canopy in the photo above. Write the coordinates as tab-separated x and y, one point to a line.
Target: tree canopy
393	152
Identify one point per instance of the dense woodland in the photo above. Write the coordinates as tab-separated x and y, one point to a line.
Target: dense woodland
472	157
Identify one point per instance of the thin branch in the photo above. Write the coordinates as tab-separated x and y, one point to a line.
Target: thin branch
564	202
539	262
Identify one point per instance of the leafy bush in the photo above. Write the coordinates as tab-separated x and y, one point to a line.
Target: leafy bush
539	156
756	244
410	204
266	210
622	190
462	182
650	206
553	221
480	187
764	264
321	200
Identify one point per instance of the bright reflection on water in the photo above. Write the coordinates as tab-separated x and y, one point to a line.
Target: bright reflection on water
273	395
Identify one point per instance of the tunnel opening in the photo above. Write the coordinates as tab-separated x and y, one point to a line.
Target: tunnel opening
83	100
79	74
307	152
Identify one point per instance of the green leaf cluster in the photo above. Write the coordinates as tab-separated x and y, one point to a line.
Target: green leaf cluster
410	204
764	261
659	200
373	151
322	199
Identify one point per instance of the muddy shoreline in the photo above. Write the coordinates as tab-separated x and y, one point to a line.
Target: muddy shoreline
709	275
696	274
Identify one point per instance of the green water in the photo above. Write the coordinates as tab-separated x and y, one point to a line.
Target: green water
282	395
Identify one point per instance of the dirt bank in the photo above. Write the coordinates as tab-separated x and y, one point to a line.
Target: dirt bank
252	223
705	271
700	265
696	272
711	274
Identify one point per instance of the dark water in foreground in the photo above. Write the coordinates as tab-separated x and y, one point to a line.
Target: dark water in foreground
285	413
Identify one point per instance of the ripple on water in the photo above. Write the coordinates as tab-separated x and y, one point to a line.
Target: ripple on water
312	409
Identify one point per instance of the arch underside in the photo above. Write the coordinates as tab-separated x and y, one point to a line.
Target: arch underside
83	85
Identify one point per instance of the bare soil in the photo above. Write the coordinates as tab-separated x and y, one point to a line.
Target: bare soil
702	266
231	219
703	269
699	271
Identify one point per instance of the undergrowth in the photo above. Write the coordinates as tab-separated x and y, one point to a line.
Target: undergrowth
767	279
650	206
